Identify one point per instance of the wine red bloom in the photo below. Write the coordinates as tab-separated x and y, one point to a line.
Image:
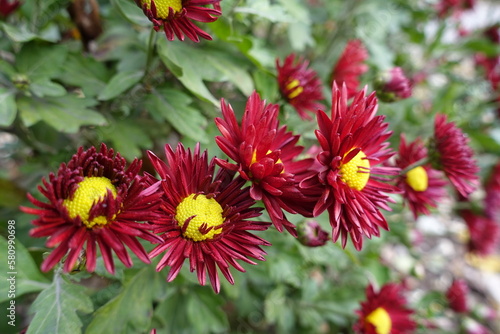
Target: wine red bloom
265	154
350	66
453	7
484	233
453	155
177	16
94	199
385	312
393	86
457	296
353	142
492	198
7	7
422	186
205	217
299	85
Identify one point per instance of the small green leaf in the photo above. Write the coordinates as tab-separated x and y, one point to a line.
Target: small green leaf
173	106
131	310
7	107
120	83
45	87
66	113
27	275
20	35
56	308
39	61
11	195
132	12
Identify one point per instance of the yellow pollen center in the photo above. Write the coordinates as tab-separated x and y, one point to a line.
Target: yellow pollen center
417	179
90	191
356	172
294	88
162	7
381	320
254	159
206	213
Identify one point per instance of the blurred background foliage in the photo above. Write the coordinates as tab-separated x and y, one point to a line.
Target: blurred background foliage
132	89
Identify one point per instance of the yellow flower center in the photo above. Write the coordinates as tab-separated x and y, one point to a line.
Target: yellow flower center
356	172
381	320
162	7
90	191
254	159
206	213
417	179
294	88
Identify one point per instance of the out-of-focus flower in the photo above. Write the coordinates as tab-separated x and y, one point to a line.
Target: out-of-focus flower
474	327
422	186
7	7
451	153
177	16
265	154
492	198
93	200
457	296
311	234
453	7
300	85
385	312
353	142
350	66
484	233
205	217
393	86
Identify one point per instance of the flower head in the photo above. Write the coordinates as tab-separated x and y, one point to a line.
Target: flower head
422	186
311	234
484	233
353	142
453	155
492	198
205	217
384	312
299	85
93	200
264	153
393	86
7	7
350	66
177	16
457	296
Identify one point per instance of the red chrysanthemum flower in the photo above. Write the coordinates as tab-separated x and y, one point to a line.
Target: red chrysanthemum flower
93	200
299	85
484	233
177	16
264	153
205	217
422	186
350	66
453	7
393	86
7	7
457	296
492	198
453	155
353	142
385	312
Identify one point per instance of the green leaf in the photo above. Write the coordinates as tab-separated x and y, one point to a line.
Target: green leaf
45	87
20	35
131	310
56	308
27	275
66	113
41	61
266	10
120	83
7	107
132	12
173	106
11	195
231	70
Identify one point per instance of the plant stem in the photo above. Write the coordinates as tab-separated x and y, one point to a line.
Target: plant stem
150	51
419	163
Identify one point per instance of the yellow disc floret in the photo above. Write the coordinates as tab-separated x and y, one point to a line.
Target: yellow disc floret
417	179
356	172
254	159
90	191
206	213
381	320
162	7
294	88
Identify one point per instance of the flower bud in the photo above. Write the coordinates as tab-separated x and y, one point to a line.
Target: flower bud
393	86
311	234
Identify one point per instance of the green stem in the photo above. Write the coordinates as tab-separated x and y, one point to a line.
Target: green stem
151	47
419	163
